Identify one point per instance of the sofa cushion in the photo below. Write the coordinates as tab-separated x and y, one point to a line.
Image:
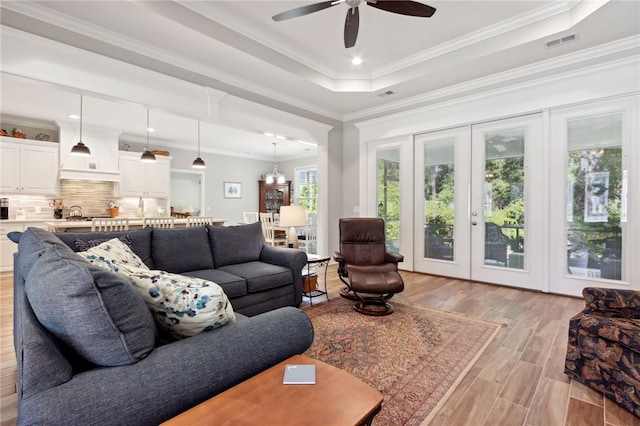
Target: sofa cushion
236	244
140	240
181	249
233	285
261	276
95	312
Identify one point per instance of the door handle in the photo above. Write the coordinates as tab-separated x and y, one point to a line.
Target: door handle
474	214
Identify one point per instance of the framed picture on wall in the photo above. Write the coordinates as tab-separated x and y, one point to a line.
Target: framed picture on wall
232	190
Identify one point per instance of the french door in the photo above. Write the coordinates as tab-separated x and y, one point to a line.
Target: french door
441	217
594	224
478	202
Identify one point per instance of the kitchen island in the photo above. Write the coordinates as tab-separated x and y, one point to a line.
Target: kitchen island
85	225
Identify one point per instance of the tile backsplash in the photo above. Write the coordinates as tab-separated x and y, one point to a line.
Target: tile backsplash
92	196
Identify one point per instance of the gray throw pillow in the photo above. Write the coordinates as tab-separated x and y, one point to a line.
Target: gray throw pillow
236	244
82	245
96	313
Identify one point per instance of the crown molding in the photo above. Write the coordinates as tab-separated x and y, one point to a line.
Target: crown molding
630	44
145	50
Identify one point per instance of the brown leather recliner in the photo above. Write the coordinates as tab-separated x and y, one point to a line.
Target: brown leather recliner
364	265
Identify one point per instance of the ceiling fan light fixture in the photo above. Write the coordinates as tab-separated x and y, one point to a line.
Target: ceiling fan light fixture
80	149
352	22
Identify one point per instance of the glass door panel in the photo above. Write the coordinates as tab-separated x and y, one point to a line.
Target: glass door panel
594	156
388	195
506	202
439	200
594	197
441	234
504	220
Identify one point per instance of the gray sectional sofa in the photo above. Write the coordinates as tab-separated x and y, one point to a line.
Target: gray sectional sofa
87	348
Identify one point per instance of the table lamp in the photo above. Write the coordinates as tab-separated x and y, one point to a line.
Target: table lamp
292	216
188	209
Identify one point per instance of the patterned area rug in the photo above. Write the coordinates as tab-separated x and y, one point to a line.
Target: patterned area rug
415	357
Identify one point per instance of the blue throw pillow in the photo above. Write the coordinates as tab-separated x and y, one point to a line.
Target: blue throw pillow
96	313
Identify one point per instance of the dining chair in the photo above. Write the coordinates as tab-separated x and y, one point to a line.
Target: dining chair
250	217
109	224
307	241
268	230
159	222
199	221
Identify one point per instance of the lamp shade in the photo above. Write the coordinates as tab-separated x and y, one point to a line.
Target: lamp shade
80	150
292	216
187	208
148	157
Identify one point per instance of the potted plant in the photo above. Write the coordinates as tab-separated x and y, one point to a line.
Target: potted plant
114	209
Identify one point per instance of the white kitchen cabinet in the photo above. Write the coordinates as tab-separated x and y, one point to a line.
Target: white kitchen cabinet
8	247
138	179
28	167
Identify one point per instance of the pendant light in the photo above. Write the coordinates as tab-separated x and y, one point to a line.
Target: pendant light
198	163
80	149
275	176
148	156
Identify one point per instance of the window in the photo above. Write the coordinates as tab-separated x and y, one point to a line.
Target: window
306	188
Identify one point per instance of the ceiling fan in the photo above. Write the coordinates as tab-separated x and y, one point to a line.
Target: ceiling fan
352	22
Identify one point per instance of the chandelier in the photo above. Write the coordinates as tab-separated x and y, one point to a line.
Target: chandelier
275	176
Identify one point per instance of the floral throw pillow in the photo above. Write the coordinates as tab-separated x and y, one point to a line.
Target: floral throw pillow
113	255
183	306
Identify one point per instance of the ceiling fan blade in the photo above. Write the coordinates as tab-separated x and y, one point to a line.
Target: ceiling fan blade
351	25
304	10
411	8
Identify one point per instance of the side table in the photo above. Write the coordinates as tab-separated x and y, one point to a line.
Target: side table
315	261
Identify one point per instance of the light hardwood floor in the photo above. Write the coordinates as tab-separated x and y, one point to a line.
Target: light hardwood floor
519	379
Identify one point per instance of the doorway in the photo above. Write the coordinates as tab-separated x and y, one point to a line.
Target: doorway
187	192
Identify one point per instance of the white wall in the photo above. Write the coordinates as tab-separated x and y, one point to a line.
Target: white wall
220	169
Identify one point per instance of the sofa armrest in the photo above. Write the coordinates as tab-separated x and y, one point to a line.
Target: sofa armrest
612	302
289	258
174	377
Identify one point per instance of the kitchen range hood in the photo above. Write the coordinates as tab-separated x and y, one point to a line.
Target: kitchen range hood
102	165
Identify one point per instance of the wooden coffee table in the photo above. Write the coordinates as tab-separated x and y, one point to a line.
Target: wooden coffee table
337	398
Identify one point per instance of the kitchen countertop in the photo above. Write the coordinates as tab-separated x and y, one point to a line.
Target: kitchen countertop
41	220
63	224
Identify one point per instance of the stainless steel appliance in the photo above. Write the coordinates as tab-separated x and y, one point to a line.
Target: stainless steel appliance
4	208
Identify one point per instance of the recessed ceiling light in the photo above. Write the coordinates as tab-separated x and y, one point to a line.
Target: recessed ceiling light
356	61
151	129
74	116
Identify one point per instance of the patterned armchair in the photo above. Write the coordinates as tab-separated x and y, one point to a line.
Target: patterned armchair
604	345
